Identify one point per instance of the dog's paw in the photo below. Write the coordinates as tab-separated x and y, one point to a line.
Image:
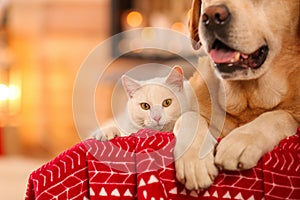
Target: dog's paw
196	173
107	133
240	150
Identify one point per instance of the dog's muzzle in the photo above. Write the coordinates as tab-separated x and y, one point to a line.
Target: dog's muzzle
216	24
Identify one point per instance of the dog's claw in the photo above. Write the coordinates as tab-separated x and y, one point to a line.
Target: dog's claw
220	167
199	190
240	165
212	177
182	181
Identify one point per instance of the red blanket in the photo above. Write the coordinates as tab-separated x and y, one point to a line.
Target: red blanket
141	167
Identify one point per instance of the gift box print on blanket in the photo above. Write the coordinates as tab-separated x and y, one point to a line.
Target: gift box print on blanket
141	167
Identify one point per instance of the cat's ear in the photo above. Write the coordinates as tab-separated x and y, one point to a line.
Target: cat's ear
175	77
130	85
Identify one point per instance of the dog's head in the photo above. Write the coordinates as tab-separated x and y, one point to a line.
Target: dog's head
242	37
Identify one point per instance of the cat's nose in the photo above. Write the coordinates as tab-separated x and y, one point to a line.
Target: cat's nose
157	118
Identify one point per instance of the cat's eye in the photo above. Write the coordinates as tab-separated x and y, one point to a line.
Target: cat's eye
145	106
167	102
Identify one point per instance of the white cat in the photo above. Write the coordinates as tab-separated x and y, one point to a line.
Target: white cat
156	104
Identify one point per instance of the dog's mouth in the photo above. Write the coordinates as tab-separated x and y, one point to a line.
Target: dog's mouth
228	60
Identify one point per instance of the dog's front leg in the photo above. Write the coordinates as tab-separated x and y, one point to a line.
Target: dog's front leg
244	146
194	152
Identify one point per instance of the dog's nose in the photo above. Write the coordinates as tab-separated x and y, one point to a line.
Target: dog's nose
216	16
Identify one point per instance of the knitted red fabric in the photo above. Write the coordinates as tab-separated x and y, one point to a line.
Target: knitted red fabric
141	166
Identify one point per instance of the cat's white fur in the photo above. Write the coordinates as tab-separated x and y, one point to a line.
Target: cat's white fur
153	92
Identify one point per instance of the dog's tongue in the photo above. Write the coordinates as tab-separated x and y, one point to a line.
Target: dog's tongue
224	56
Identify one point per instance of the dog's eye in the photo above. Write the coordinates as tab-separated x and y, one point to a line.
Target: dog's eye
145	106
167	103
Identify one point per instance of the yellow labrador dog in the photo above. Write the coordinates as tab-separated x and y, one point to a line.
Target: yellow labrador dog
252	74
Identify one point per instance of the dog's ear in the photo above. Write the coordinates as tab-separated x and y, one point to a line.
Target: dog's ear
194	24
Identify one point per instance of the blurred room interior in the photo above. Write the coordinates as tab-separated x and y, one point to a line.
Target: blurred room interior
42	46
